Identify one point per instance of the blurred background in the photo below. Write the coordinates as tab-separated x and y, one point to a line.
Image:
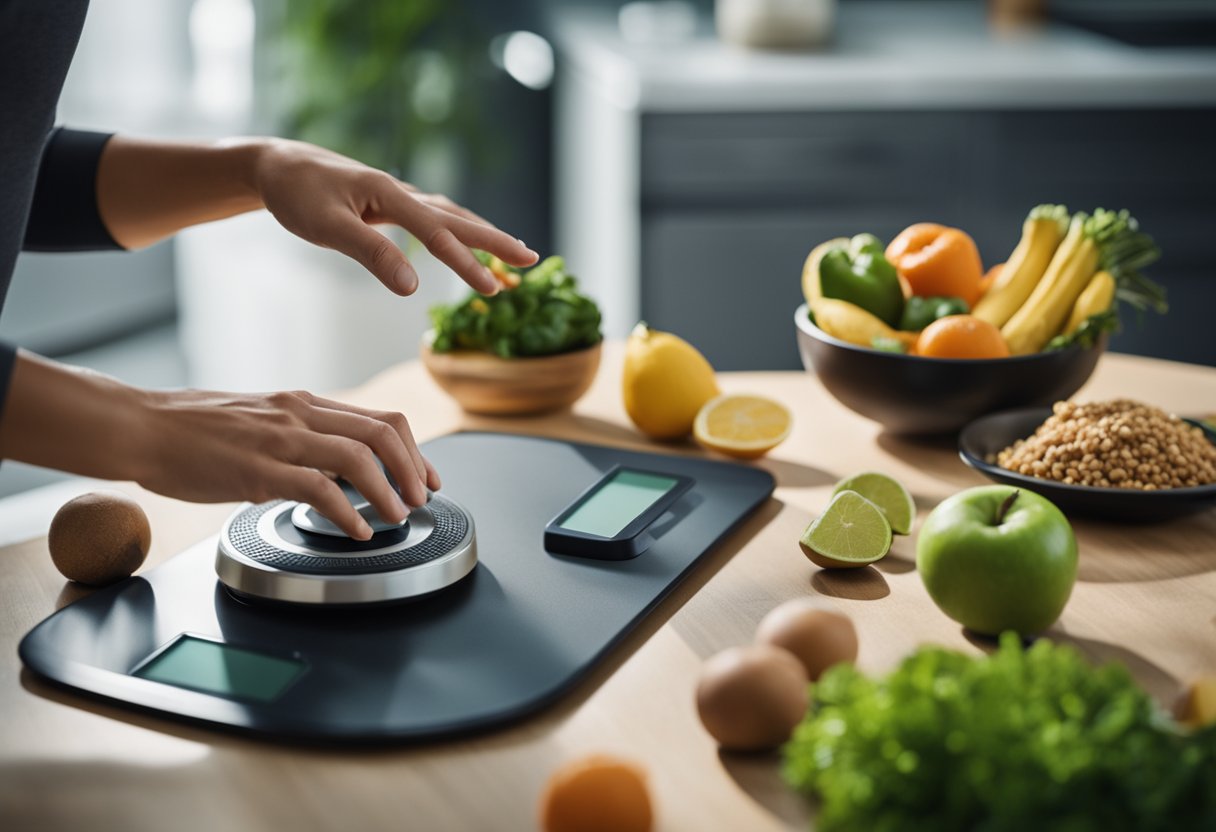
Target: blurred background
683	156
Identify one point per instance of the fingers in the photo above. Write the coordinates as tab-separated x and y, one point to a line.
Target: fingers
332	436
309	486
396	449
423	469
432	476
375	252
488	238
444	204
448	231
444	245
354	462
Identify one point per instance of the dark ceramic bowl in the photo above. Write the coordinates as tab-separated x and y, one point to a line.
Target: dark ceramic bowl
991	434
909	394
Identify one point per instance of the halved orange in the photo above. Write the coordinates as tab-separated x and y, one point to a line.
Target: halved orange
742	426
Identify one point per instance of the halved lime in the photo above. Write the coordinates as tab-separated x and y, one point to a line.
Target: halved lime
887	494
851	532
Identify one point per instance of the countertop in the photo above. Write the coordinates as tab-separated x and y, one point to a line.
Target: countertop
1144	596
886	55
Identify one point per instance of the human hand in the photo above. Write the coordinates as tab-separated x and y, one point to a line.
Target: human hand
214	447
333	201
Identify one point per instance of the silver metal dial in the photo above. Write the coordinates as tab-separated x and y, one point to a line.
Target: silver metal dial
264	554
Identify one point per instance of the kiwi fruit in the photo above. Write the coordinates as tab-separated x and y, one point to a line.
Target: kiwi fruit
99	538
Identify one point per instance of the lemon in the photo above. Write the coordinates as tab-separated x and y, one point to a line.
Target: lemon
666	382
1197	707
851	532
744	427
887	494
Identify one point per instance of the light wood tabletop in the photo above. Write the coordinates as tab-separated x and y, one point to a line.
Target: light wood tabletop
1146	596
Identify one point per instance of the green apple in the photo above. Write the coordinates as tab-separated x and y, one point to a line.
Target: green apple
997	558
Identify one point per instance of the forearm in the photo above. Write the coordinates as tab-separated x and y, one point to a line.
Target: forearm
70	419
148	190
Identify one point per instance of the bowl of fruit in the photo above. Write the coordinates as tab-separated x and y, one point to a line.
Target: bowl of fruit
915	336
532	348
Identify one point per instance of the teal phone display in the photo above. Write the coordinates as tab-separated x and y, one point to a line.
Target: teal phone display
609	521
215	667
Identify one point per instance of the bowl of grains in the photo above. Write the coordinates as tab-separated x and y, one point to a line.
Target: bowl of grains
1119	460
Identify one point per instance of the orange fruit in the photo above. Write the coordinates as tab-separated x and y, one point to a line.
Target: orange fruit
938	261
597	793
961	336
904	285
990	277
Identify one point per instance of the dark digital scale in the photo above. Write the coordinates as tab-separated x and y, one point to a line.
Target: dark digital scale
482	608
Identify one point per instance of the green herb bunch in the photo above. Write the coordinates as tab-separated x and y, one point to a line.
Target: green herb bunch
1034	739
543	315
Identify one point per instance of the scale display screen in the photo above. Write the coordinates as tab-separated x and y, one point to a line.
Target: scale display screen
214	667
617	502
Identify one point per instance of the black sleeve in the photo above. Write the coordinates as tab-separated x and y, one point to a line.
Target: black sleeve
64	214
8	354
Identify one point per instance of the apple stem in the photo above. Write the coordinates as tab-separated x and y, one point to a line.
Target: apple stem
1005	506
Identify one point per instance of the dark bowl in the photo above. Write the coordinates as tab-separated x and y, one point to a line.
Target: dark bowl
910	394
995	432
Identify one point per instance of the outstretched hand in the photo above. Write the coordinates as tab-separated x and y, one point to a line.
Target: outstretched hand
334	201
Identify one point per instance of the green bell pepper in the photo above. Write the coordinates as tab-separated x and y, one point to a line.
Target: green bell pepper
920	312
861	274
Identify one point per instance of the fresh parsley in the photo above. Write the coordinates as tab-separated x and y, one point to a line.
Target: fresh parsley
1024	739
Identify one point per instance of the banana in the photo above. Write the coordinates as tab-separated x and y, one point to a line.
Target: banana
851	323
1096	297
1042	232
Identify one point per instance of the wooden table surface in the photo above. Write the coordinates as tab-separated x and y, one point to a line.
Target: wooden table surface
1146	596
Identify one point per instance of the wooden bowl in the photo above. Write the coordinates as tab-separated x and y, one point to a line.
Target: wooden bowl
488	385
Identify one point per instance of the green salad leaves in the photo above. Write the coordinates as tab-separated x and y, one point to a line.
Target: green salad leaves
1034	739
543	315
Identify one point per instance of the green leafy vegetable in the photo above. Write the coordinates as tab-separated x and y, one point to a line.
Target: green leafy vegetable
1034	739
1123	251
543	315
1088	333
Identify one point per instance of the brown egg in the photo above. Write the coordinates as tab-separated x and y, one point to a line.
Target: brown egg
597	793
817	637
751	698
99	537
